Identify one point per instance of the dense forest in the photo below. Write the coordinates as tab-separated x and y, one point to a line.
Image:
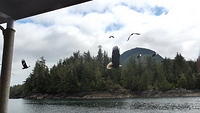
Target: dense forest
85	73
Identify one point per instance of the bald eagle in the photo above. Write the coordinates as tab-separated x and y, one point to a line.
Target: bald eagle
138	56
24	64
132	34
115	58
111	36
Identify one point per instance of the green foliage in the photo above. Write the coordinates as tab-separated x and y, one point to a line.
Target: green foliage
38	81
16	91
84	73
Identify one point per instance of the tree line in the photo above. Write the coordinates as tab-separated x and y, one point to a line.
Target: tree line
86	73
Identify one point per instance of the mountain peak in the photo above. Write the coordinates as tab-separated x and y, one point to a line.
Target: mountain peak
139	52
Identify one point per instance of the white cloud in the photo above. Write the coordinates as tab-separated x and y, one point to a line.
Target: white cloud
57	34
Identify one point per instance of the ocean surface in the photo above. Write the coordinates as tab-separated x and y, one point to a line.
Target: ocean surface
134	105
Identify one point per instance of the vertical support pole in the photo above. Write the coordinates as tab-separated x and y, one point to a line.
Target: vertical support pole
6	66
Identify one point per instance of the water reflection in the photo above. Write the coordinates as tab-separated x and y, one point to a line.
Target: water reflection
139	105
81	102
160	106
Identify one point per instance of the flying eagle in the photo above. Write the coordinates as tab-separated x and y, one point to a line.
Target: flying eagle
132	34
111	37
115	58
24	64
138	56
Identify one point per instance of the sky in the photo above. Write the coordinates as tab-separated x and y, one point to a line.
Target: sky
166	26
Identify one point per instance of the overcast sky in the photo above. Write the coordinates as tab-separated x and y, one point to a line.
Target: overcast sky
166	26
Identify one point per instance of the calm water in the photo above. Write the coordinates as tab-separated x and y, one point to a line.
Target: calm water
138	105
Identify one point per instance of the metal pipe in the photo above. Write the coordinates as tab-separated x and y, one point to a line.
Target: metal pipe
10	23
6	66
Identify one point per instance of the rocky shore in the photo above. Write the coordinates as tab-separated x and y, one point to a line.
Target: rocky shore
116	95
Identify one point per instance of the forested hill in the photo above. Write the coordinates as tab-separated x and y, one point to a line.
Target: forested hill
86	73
135	52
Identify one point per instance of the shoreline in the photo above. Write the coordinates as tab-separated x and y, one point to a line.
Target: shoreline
117	95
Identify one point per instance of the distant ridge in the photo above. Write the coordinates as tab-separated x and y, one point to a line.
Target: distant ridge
139	51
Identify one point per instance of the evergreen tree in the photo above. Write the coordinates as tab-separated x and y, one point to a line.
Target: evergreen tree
179	66
38	81
84	73
100	55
